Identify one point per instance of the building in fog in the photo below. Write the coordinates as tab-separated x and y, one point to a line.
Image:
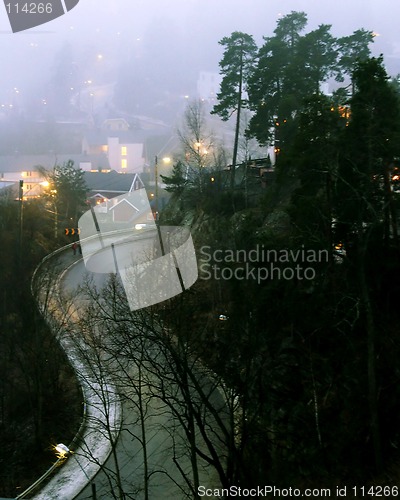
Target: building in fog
123	147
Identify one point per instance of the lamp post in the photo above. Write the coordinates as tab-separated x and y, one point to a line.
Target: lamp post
21	216
91	95
156	187
166	160
53	197
52	193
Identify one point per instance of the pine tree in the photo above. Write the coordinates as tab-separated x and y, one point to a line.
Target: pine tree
277	85
236	65
176	182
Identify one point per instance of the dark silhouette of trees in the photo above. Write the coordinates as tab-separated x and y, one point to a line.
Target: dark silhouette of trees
367	213
291	66
168	391
309	359
277	84
353	48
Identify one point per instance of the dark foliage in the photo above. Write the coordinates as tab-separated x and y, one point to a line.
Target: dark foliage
313	360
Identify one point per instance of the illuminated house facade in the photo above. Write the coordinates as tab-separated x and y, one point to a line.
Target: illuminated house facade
124	148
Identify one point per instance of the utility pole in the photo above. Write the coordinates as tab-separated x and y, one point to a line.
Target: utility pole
21	215
55	222
156	181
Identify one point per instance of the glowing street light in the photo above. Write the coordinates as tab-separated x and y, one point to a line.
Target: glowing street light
62	450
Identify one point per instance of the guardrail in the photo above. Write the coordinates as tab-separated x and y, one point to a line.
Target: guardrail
79	436
50	471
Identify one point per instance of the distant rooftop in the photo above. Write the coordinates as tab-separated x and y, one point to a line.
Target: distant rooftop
100	137
110	182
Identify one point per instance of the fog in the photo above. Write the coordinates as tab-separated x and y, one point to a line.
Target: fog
166	44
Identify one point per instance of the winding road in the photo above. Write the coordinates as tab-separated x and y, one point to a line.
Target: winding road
121	475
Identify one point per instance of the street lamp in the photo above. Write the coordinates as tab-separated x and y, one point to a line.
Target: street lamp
52	193
62	450
156	187
21	215
91	95
166	160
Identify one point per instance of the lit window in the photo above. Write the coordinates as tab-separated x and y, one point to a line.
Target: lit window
124	163
124	151
104	148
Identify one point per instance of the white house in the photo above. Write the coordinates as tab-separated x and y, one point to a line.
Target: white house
123	147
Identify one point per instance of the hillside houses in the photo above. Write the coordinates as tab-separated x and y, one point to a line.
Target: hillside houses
113	147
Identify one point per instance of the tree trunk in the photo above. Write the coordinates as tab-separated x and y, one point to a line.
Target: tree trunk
389	203
237	128
371	359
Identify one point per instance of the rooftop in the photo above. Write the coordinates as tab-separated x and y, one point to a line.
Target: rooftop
110	182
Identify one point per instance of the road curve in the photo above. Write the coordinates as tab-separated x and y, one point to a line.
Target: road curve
68	477
166	482
110	457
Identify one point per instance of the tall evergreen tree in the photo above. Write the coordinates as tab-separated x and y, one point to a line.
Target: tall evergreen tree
370	148
315	153
318	52
353	48
276	86
236	65
176	182
292	66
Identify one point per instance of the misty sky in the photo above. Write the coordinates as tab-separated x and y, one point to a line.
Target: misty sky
113	28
